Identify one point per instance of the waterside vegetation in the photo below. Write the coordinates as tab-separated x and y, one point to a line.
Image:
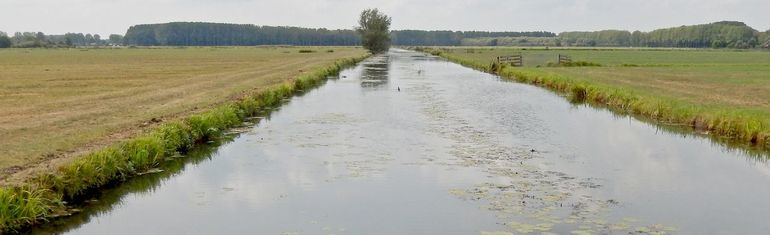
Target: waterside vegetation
713	92
45	194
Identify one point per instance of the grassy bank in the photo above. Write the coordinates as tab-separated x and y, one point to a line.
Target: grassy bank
724	93
44	194
57	103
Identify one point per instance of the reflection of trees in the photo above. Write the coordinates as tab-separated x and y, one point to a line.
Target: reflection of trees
110	198
375	72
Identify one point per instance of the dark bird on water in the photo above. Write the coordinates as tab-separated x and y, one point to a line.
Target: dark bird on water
399	88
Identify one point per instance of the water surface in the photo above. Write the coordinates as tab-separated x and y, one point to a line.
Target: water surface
405	143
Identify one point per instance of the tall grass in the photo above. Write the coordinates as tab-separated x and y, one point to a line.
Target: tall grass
21	205
735	124
24	206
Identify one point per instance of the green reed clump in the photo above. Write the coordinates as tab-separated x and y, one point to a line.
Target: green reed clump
176	135
95	169
303	83
579	93
143	153
20	206
249	105
26	206
497	67
276	95
209	124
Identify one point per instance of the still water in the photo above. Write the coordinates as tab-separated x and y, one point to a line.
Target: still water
406	143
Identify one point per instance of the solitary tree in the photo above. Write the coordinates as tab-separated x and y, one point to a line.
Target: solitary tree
374	28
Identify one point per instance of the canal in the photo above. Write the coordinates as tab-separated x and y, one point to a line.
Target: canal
407	143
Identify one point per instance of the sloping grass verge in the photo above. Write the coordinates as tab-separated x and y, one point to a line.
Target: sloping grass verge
44	196
739	125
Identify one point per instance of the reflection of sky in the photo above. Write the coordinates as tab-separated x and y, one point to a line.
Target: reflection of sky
337	159
347	159
665	178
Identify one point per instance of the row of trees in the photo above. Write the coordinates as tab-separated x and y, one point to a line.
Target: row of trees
217	34
717	35
725	34
211	34
513	41
39	39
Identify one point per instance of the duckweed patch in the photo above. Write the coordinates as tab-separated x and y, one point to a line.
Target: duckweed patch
525	197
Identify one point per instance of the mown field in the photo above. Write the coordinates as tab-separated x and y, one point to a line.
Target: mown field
64	102
707	89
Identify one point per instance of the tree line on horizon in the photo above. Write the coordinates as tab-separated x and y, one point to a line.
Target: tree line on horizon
453	38
218	34
39	39
221	34
724	34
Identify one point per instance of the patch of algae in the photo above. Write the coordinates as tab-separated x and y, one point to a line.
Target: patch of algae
539	200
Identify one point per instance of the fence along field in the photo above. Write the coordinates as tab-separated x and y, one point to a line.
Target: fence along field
67	101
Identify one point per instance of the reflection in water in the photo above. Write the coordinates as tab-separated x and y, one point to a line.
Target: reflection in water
111	198
374	72
729	146
455	151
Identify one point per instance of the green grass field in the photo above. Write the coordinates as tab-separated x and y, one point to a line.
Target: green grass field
724	92
620	56
56	103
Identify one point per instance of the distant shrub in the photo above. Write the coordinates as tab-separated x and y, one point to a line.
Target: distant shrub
306	51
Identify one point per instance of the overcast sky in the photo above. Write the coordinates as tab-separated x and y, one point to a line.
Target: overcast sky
115	16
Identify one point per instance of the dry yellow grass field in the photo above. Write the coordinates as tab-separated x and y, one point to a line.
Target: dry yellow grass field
62	102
